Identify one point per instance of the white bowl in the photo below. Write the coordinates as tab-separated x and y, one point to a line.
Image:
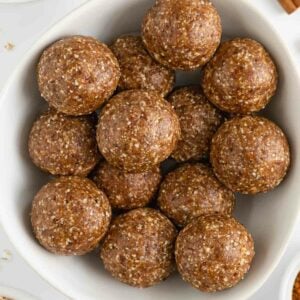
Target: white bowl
271	217
15	294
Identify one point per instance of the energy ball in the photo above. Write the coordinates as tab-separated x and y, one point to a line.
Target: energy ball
64	145
138	69
191	191
241	78
127	190
182	34
214	253
137	130
139	248
77	74
70	215
250	154
199	120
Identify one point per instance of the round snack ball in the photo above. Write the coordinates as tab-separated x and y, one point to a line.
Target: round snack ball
70	215
199	120
182	34
250	154
241	78
214	253
191	191
138	69
64	145
127	190
137	130
139	248
77	74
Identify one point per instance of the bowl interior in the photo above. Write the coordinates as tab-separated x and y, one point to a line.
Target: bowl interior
269	217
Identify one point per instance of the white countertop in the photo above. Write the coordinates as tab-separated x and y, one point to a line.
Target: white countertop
20	25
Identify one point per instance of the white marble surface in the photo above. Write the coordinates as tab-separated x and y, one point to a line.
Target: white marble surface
20	25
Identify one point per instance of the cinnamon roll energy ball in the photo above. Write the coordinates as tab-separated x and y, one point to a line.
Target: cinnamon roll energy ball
138	69
182	34
191	191
137	130
64	145
70	215
250	154
77	74
214	253
139	248
241	78
199	120
127	190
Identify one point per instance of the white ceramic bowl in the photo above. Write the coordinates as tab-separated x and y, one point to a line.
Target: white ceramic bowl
15	294
271	217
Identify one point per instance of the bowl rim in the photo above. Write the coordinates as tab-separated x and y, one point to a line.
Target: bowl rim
77	11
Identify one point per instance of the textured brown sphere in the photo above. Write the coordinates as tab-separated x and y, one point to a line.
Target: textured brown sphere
250	154
137	130
199	120
182	34
64	145
138	69
127	190
214	253
70	215
139	248
241	78
77	74
191	191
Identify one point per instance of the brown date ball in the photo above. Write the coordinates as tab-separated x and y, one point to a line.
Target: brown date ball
137	130
138	69
64	145
214	253
77	74
191	191
182	34
139	248
199	120
250	154
70	215
127	190
241	78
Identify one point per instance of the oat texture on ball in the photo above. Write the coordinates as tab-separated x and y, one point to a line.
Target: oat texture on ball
241	78
64	145
214	253
138	69
70	215
77	74
139	248
199	120
127	190
137	130
250	154
191	191
182	34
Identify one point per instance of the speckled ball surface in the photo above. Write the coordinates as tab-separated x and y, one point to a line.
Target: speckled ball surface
250	154
138	69
191	191
70	215
182	34
199	120
64	145
137	130
127	190
139	248
241	78
214	253
77	74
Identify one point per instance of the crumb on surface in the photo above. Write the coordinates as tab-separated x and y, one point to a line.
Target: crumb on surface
9	46
6	255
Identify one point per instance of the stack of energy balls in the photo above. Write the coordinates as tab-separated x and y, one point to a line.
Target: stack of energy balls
115	117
